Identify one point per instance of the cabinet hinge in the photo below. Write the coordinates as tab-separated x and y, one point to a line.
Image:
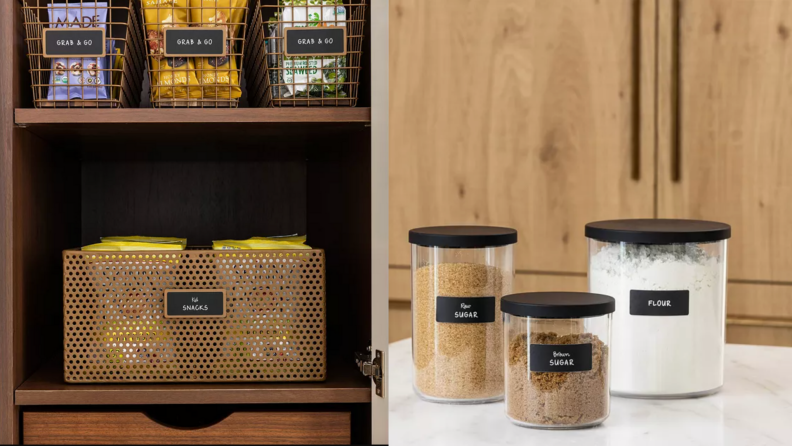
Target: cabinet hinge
371	367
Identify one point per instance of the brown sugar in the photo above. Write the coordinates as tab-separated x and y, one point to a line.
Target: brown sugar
457	361
556	398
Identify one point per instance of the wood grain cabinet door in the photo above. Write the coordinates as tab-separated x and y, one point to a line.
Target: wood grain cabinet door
521	113
725	127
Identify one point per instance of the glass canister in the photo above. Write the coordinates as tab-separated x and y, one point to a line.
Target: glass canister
557	356
459	274
669	281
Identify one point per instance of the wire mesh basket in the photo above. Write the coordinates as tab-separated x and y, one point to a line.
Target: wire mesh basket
122	322
68	80
278	79
196	81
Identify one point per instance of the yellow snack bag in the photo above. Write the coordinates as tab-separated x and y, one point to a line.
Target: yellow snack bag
259	243
141	239
283	238
171	77
219	76
132	246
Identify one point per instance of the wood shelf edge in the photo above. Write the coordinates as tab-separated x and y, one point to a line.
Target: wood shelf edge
46	388
34	116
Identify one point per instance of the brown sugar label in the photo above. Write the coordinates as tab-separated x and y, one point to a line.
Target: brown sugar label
659	303
560	358
465	310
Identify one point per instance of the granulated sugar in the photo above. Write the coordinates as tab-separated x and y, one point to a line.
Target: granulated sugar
556	398
664	355
457	361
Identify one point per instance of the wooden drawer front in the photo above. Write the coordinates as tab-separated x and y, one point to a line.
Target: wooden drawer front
137	428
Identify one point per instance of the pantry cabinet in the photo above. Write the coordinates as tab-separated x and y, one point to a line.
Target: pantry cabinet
524	114
587	110
521	114
725	104
68	176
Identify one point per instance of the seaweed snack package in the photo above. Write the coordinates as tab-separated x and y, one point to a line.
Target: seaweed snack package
219	76
303	76
171	77
78	77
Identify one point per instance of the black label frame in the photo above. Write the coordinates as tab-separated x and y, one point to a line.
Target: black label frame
659	302
51	34
293	34
217	48
171	296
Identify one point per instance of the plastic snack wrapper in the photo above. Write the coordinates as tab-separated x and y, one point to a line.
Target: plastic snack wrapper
219	76
142	239
132	246
78	77
172	77
275	242
304	76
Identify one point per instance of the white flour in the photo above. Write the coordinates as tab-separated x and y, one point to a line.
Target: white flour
664	355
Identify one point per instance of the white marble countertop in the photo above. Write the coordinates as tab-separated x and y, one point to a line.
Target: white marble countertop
754	408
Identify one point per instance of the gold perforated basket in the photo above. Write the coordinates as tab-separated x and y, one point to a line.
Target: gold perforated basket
116	330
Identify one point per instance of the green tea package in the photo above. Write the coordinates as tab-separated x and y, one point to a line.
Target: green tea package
219	76
171	77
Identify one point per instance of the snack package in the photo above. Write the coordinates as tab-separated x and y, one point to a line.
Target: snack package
171	77
303	76
141	239
132	246
78	77
219	76
115	78
283	238
277	242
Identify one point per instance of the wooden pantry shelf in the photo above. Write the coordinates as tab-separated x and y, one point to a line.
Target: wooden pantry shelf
344	384
33	116
167	128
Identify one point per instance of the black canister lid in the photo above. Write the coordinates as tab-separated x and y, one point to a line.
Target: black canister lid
558	305
463	236
658	231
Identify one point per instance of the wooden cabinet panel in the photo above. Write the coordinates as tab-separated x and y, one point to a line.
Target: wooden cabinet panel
759	301
758	333
521	113
725	102
137	428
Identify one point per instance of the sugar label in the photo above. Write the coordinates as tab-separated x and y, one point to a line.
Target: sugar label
659	303
465	310
560	358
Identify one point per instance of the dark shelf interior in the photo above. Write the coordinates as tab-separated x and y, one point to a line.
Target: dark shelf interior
344	384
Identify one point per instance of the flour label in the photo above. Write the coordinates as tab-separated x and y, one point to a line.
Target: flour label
465	310
659	303
560	358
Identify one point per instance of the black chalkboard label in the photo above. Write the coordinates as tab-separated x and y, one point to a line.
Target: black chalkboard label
194	303
659	303
560	358
465	310
74	42
315	41
195	42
